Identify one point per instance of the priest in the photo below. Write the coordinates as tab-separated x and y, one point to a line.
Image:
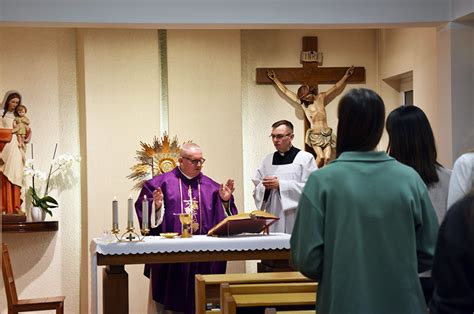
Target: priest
280	179
185	189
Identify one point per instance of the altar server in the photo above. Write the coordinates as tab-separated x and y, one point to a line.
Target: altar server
281	177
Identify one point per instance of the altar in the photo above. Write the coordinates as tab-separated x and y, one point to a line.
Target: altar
115	255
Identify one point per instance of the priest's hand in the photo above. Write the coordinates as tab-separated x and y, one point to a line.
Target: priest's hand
225	191
271	183
158	198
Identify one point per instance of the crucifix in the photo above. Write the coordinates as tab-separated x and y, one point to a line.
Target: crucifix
319	138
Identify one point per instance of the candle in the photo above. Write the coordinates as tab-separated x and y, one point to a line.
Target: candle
145	213
130	212
115	214
153	213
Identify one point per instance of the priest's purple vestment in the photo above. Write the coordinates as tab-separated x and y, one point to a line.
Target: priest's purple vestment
173	284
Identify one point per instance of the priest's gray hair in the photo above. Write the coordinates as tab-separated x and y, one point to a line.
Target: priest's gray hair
188	149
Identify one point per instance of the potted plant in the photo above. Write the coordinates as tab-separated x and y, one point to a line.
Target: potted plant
43	202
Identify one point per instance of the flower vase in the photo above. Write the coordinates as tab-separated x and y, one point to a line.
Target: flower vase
37	214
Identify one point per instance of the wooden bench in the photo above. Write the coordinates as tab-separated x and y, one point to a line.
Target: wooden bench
207	287
294	296
273	311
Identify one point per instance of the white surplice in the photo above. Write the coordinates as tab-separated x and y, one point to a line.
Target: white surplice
282	202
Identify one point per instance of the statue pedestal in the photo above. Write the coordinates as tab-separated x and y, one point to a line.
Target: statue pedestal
13	218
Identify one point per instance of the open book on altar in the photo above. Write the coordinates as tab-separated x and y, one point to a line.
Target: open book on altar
254	222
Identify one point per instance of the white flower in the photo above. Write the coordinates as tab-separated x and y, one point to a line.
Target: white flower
40	175
59	168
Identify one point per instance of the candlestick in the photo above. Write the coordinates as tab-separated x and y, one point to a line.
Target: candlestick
130	212
114	214
144	213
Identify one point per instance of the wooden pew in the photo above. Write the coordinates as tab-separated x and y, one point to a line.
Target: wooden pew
274	311
301	295
207	287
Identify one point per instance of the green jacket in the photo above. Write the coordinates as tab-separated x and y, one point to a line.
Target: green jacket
365	228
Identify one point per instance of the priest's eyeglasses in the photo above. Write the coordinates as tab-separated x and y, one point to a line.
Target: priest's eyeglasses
196	161
279	136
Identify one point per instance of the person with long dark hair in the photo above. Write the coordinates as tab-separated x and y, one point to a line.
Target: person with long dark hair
411	142
453	268
365	225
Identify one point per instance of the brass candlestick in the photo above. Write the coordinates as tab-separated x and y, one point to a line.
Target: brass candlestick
145	230
130	235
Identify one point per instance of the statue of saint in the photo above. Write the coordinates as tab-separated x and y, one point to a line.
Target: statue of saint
12	156
319	136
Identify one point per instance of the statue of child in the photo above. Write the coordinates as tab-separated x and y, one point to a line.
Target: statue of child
21	124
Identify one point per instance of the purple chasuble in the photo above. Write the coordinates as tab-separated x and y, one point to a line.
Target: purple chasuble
173	284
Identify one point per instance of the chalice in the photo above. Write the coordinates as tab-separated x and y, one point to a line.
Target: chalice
186	220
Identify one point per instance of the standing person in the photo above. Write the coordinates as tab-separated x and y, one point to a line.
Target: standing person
411	142
365	225
319	136
11	158
173	284
453	270
281	177
462	179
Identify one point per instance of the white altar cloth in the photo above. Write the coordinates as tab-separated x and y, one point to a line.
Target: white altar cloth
197	243
153	244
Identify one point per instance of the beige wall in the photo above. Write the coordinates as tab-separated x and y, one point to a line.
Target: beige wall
414	49
118	103
213	100
121	108
205	99
205	102
262	104
40	63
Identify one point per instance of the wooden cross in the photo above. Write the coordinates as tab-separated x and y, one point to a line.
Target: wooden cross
310	74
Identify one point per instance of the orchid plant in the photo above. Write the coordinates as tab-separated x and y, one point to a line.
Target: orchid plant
59	170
